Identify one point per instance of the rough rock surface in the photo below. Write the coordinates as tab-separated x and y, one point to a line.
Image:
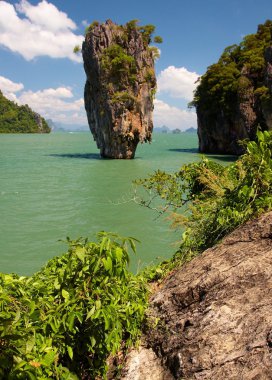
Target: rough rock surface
118	100
143	364
215	313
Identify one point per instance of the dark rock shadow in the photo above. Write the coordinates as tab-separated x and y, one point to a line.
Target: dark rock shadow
184	150
87	156
222	158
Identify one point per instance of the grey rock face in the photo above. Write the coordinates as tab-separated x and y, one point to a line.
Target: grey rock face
119	89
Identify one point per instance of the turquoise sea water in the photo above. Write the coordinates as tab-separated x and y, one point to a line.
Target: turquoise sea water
56	185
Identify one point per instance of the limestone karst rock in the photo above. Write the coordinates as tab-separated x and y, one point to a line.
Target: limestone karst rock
234	96
214	318
120	85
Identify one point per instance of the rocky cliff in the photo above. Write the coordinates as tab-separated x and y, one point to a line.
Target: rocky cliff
20	119
234	96
213	316
120	85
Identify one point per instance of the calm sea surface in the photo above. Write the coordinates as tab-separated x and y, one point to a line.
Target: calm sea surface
56	185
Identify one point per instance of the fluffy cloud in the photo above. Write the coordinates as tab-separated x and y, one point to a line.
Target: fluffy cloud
9	88
54	104
6	85
37	30
178	82
57	104
173	117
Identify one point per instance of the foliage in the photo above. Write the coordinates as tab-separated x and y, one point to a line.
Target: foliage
219	86
154	51
158	40
64	321
77	49
19	119
209	200
118	65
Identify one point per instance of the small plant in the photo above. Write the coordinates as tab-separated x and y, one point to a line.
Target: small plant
158	40
154	51
77	49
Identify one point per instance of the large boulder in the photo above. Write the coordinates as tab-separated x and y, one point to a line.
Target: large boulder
214	314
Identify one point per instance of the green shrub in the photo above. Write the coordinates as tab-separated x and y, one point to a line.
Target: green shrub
64	321
208	200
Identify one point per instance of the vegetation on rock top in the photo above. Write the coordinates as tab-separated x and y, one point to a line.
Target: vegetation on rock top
239	67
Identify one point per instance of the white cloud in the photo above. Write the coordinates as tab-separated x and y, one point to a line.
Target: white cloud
178	82
53	104
173	117
9	88
38	30
7	85
46	15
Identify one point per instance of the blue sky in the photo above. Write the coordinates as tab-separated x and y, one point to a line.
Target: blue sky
37	65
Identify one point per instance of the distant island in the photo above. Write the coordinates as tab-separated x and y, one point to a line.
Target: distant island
66	128
191	130
165	129
20	119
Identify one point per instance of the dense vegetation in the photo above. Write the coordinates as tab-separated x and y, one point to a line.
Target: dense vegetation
64	321
20	119
239	67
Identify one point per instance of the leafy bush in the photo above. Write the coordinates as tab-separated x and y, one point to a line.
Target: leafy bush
209	200
63	322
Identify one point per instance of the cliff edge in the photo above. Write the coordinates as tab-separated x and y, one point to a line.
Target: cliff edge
120	85
213	315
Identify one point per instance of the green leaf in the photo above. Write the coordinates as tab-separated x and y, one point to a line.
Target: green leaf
107	264
49	358
90	313
70	352
65	294
30	344
93	341
80	252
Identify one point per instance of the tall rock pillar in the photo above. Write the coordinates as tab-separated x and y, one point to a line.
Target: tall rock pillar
120	86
